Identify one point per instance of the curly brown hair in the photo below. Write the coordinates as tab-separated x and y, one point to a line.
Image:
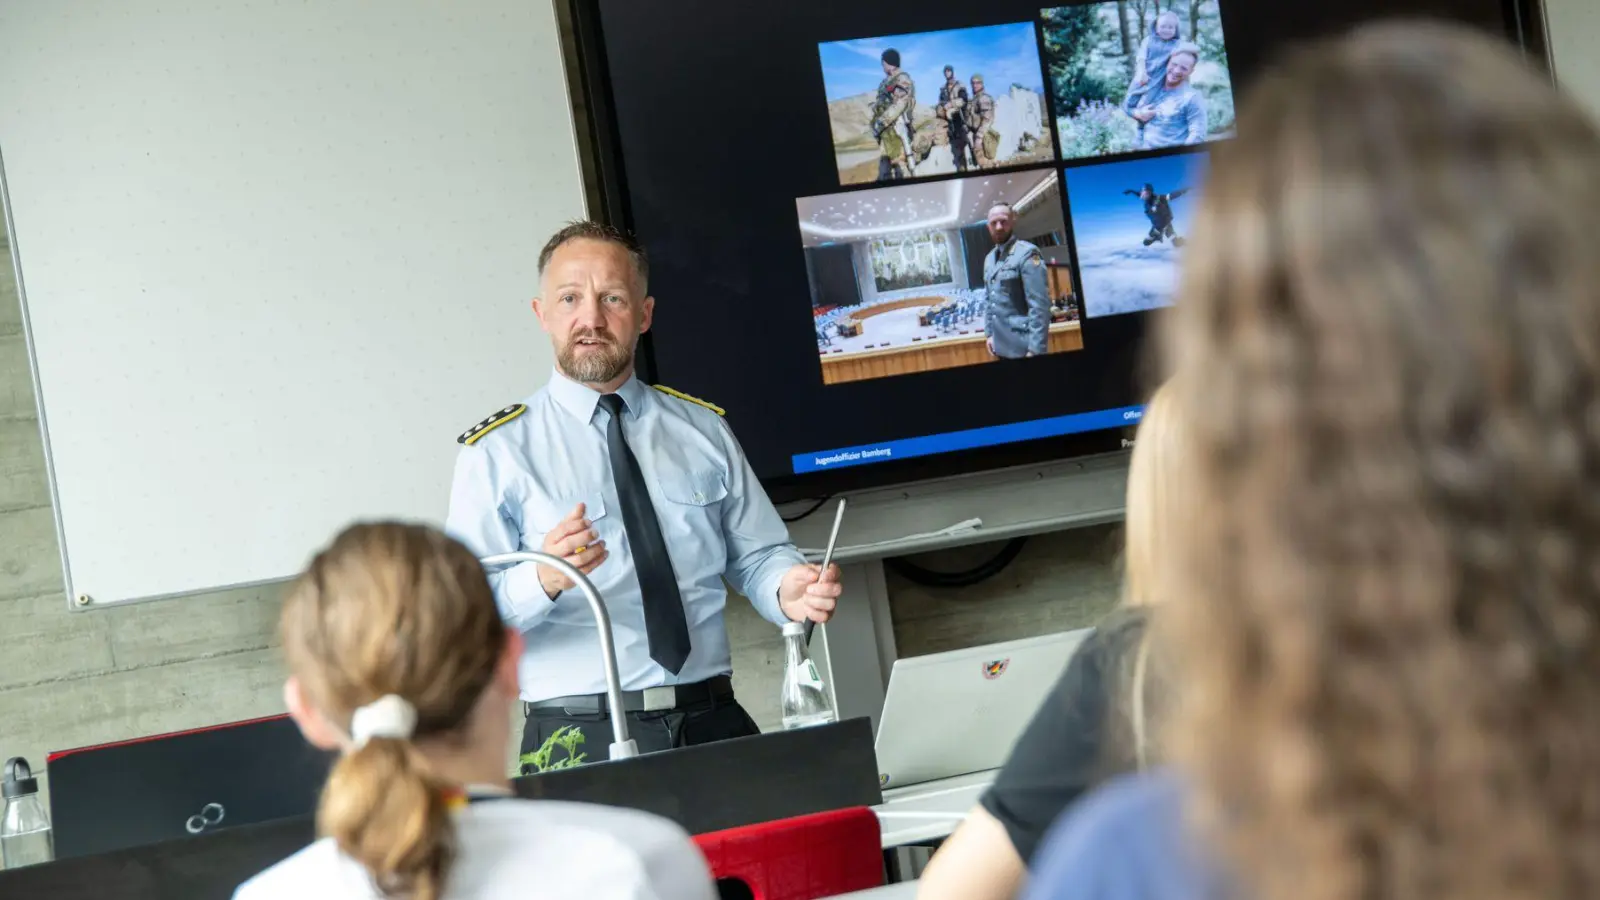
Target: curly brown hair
1387	347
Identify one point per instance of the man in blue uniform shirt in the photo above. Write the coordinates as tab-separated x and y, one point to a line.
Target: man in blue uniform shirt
646	492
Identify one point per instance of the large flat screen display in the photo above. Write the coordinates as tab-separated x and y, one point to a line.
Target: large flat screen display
896	240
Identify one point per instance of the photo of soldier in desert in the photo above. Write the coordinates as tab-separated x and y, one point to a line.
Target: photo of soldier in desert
938	103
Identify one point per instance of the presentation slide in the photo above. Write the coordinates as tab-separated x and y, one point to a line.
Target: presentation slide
1129	219
898	275
936	103
884	235
1126	78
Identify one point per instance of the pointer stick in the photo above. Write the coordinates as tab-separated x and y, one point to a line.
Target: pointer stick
827	557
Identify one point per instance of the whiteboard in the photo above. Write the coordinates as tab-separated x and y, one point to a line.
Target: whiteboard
275	256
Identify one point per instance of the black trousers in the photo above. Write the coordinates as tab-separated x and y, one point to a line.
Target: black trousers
696	723
1158	232
958	144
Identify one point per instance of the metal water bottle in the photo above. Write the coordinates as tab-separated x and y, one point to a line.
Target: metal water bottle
25	830
805	698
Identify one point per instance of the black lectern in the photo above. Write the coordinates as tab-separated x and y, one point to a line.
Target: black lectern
704	788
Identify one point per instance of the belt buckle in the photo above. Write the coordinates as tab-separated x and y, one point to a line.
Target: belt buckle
660	698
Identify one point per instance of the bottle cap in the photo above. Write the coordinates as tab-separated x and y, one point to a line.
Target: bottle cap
790	629
19	778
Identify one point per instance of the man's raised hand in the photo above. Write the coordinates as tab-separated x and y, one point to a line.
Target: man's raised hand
574	540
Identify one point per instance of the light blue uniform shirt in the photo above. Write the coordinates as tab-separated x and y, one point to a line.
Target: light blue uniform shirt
514	484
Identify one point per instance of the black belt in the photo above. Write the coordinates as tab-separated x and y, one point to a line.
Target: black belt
657	699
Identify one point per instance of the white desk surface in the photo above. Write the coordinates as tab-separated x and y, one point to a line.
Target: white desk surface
929	811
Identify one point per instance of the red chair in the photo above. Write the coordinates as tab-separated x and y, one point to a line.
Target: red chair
803	858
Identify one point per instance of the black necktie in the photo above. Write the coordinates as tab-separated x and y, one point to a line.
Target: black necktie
664	623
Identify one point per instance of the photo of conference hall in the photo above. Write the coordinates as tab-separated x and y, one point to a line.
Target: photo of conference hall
897	276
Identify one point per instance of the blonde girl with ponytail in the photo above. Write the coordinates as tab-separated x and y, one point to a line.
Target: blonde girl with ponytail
398	660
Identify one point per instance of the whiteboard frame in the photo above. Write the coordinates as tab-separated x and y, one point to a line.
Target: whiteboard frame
74	601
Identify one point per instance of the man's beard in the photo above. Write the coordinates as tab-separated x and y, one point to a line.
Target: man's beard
600	363
999	238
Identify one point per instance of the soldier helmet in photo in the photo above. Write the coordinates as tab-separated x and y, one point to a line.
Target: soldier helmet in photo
977	77
950	70
892	57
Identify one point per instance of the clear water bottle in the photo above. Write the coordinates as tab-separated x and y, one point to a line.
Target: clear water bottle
25	830
805	697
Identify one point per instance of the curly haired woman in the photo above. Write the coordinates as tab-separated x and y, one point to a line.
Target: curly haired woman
1388	657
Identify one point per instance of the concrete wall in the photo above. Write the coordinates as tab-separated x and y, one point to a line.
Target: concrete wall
1059	582
1574	26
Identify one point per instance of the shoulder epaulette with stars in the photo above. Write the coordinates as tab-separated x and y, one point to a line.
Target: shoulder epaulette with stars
695	400
475	433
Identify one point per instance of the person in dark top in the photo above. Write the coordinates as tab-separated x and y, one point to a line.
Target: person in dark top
1076	739
1095	722
1385	666
1158	209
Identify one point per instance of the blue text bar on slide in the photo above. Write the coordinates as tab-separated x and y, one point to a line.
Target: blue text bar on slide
966	440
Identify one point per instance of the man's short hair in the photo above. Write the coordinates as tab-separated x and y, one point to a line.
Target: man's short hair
1005	206
1188	47
596	231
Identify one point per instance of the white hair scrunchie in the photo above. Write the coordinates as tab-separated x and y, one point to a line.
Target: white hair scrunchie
389	716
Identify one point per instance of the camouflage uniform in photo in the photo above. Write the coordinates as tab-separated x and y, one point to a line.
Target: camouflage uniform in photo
896	100
953	110
1017	297
980	125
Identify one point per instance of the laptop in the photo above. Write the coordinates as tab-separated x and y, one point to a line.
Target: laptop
954	713
172	786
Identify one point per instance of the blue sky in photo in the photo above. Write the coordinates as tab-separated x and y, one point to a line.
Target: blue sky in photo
1003	54
1100	208
1120	273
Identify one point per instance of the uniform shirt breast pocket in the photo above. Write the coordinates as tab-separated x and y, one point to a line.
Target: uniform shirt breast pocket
693	508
